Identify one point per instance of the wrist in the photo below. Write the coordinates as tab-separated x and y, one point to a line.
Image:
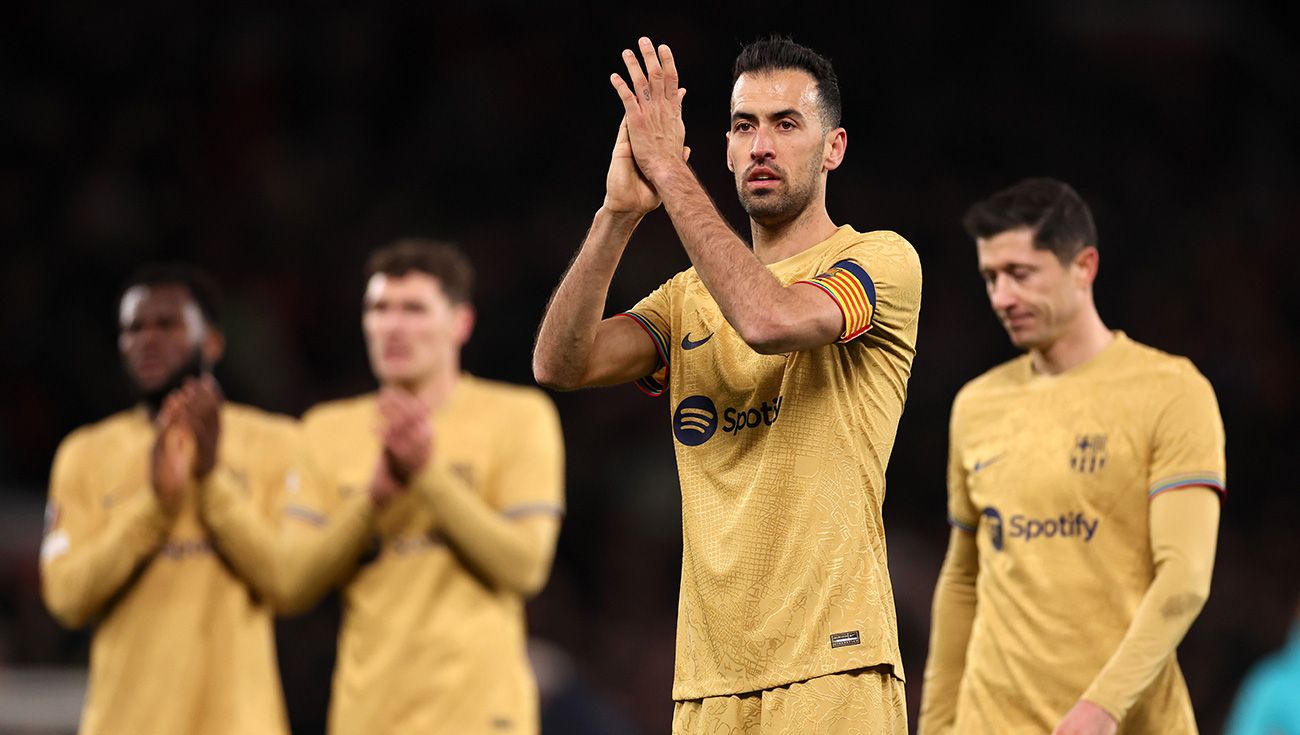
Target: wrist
664	170
620	221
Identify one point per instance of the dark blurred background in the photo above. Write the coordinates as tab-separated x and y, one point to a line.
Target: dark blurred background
277	146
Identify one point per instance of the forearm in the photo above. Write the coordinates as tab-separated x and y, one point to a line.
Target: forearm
750	297
315	553
1184	526
952	617
569	329
510	553
244	536
78	576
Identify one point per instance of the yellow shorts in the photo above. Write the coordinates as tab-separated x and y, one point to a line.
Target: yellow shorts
862	702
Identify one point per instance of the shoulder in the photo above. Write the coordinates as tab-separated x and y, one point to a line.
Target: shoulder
257	422
508	396
1008	375
1160	370
342	412
88	437
878	248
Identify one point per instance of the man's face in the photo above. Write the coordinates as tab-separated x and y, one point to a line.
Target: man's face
411	327
777	146
162	334
1034	295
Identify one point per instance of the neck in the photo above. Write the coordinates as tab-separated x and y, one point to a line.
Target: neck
1077	345
435	388
777	242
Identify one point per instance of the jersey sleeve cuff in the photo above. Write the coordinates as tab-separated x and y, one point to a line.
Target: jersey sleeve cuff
1211	480
853	292
656	382
962	525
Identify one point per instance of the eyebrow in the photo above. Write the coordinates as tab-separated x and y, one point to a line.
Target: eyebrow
788	112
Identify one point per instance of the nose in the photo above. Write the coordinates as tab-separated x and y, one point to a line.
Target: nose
1002	293
762	148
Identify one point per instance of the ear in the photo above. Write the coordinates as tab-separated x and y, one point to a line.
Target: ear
727	152
1084	266
213	346
837	142
465	318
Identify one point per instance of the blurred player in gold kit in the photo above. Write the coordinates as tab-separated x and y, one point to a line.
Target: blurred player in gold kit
461	480
786	367
1084	483
157	525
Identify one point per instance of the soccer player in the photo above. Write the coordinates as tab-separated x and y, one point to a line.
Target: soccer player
786	368
461	481
156	531
1084	482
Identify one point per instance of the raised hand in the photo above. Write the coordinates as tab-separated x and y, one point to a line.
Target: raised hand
405	432
171	461
652	107
626	189
202	400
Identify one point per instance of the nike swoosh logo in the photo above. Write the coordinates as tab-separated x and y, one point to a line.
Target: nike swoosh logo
981	465
687	344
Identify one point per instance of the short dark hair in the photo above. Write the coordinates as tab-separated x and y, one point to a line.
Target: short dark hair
201	285
1052	209
781	52
442	260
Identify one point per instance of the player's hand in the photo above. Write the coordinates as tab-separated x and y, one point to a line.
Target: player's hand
171	462
1086	718
383	485
202	400
626	189
405	432
652	108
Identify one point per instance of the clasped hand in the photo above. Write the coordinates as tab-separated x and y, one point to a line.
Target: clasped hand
652	133
406	435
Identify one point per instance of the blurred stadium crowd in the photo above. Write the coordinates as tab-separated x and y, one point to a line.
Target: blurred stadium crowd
277	147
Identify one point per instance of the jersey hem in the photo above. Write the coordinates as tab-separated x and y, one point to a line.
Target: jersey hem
720	689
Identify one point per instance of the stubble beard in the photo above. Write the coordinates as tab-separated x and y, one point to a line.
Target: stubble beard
777	207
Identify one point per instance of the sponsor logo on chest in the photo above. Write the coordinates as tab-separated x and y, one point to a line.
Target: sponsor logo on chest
1070	526
697	419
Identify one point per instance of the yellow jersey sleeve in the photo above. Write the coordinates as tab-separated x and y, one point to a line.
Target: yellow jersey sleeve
962	513
1187	448
531	480
89	553
653	314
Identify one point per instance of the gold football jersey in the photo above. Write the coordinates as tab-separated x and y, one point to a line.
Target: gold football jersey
782	462
426	645
182	642
1054	474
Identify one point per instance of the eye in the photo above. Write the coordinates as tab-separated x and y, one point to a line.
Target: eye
743	126
786	125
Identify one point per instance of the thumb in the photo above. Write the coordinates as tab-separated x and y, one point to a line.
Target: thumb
686	153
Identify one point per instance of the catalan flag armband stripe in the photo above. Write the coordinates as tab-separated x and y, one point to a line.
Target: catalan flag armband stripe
854	292
656	382
1194	479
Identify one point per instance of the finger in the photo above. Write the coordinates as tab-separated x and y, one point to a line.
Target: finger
686	153
635	75
625	94
670	73
653	69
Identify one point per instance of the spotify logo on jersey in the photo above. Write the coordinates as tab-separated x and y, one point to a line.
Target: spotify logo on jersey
695	420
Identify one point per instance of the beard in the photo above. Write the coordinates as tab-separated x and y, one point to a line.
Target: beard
776	207
193	367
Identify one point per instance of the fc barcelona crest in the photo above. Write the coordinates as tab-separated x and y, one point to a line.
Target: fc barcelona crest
1089	453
